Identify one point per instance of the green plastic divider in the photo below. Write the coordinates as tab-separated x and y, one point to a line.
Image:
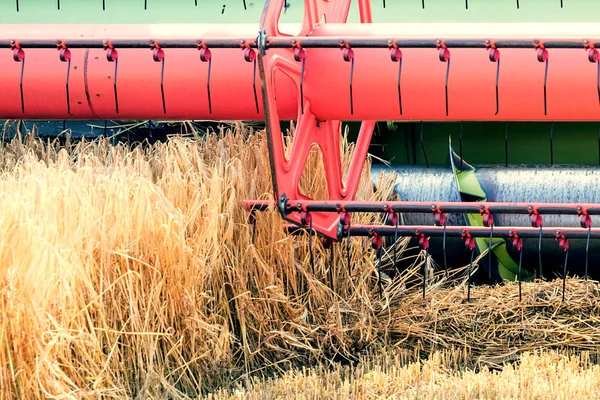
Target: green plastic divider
468	185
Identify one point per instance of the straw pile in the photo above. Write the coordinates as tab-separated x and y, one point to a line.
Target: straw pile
131	273
495	327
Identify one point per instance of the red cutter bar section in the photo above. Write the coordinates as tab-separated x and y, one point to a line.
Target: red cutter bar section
344	209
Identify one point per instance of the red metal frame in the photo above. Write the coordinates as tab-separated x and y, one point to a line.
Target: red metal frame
315	11
310	130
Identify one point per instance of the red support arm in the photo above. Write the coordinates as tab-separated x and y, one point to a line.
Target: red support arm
310	131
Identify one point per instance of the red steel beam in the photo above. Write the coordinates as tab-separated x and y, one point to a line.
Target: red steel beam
91	80
571	87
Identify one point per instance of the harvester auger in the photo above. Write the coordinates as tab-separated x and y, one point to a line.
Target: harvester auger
437	77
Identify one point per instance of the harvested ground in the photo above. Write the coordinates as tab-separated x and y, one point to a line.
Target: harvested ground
547	375
131	273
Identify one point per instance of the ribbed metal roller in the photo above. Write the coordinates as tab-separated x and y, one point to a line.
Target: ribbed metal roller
515	184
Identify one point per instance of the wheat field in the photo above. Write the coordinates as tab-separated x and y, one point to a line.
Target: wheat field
131	273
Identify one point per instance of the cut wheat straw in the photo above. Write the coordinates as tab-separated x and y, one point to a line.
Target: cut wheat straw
537	375
131	273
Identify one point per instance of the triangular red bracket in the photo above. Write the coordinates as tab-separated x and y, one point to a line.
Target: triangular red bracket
310	131
286	171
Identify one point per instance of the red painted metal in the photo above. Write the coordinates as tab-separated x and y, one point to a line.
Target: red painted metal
434	207
572	91
139	91
471	84
268	76
322	132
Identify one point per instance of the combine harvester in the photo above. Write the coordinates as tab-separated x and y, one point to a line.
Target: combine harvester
514	84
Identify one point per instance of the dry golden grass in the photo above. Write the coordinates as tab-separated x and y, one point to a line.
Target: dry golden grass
131	274
548	375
